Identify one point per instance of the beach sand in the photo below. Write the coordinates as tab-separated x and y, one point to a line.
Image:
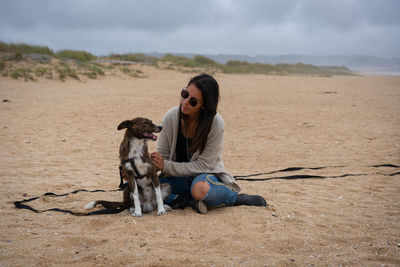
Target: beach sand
62	136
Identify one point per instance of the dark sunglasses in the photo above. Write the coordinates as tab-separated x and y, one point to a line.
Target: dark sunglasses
193	101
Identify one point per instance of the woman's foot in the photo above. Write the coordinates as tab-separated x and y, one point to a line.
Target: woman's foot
198	205
250	200
180	202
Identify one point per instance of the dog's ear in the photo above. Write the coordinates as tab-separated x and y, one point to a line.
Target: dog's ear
124	125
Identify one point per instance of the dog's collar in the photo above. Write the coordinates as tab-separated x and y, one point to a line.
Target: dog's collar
135	170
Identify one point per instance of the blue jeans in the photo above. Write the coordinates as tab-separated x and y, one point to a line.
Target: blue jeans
218	194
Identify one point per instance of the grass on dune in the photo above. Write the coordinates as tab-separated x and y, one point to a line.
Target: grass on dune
31	62
76	55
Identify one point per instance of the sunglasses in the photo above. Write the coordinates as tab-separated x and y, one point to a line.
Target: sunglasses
193	101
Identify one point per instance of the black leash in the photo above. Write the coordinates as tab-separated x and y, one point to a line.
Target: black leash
290	169
306	176
21	205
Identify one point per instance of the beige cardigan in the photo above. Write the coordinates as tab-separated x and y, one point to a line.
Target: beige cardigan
210	161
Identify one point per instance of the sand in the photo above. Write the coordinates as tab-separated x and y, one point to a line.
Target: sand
61	136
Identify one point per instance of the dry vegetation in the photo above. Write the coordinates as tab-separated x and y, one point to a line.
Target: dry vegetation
31	62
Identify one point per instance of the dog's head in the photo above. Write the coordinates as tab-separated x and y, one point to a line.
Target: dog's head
140	128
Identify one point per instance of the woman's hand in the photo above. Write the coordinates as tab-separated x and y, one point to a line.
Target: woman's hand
158	160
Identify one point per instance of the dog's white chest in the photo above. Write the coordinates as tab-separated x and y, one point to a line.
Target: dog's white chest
136	150
136	153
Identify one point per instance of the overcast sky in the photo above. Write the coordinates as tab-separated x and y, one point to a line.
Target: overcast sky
249	27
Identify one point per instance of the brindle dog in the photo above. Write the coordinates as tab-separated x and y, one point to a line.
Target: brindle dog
144	191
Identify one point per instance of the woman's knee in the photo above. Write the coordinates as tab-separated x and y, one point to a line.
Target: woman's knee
200	190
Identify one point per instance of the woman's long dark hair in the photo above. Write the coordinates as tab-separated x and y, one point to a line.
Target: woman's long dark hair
210	92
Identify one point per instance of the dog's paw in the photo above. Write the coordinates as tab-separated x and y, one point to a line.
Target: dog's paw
161	212
167	207
134	213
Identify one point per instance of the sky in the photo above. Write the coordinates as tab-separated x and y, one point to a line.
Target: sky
239	27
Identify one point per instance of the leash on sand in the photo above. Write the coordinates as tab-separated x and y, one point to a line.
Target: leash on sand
122	185
306	176
21	204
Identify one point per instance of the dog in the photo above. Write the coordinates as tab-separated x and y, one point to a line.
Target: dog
144	191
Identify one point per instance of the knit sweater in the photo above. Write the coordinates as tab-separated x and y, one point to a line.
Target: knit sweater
210	161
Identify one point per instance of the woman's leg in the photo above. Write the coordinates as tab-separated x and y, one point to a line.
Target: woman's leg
212	191
180	191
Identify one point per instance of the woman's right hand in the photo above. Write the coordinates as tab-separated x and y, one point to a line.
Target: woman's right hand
158	160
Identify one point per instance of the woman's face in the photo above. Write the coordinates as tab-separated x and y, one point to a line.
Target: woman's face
186	107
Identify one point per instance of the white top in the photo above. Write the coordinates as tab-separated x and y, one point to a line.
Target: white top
210	161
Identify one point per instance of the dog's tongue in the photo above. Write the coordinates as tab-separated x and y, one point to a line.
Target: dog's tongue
150	135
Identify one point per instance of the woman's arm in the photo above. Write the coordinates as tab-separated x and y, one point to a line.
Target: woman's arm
158	160
209	161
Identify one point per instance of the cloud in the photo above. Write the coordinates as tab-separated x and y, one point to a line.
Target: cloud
209	26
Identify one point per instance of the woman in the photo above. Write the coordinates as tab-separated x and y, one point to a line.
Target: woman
190	151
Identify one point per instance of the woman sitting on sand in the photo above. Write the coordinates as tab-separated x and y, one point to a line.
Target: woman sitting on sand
190	152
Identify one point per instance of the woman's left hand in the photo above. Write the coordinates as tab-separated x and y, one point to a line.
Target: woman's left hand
158	160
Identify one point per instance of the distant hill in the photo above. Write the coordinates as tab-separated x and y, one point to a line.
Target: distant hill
357	63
